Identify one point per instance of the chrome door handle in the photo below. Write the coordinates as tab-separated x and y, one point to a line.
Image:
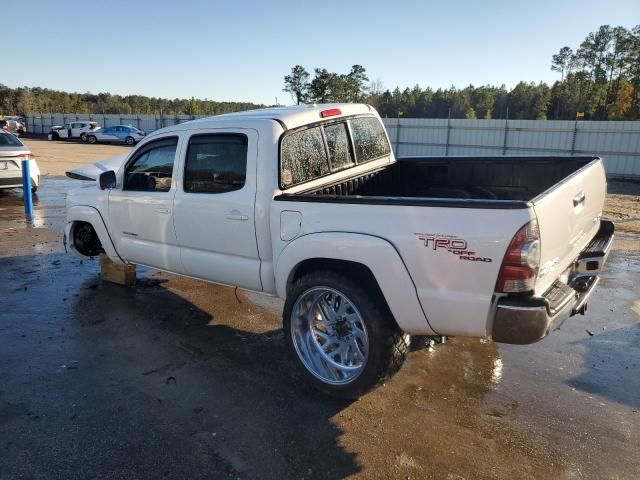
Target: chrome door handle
236	215
161	209
579	199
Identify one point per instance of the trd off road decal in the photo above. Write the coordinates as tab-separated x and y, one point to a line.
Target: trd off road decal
454	245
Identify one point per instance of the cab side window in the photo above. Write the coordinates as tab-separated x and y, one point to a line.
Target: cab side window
216	163
152	168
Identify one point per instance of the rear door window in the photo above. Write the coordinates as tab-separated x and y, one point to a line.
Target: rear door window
216	163
369	140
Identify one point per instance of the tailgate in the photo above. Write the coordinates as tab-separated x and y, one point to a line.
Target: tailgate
568	216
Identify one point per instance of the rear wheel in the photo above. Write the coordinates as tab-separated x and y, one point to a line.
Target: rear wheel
343	335
91	139
130	141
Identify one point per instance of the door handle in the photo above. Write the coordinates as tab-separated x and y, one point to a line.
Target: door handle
236	215
161	209
579	199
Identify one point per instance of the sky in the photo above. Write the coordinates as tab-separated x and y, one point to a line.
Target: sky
241	50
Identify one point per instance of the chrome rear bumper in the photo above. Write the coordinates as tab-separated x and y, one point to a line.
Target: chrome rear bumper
523	320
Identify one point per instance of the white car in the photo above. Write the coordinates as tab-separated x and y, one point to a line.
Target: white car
310	204
70	130
12	152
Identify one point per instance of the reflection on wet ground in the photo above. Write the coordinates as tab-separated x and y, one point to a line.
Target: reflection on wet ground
182	379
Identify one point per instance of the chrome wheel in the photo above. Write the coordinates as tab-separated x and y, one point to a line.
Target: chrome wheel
329	335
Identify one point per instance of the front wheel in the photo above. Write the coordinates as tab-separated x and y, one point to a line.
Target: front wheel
83	137
342	334
92	139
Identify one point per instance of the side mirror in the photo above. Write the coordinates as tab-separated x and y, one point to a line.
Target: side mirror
107	180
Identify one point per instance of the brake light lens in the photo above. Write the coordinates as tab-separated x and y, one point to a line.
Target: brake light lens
331	112
520	265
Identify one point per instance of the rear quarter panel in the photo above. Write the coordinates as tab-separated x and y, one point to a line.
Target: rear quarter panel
455	293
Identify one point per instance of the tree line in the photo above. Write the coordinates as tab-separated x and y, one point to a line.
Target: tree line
600	80
24	100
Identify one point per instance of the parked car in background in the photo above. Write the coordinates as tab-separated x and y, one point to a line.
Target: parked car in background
12	152
127	134
13	125
77	129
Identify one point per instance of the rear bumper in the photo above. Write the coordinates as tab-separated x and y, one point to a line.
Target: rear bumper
11	182
523	320
15	182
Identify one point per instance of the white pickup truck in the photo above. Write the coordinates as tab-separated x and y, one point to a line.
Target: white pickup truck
308	203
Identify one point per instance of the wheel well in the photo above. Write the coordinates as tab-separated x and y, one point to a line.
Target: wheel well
85	239
356	271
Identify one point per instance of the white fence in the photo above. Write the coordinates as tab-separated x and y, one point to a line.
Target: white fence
618	143
41	123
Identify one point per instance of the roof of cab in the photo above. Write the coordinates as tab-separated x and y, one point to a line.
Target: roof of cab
289	117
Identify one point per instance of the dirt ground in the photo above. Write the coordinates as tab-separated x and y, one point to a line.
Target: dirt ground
56	157
181	379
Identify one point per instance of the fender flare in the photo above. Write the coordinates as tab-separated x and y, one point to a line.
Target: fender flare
85	213
377	254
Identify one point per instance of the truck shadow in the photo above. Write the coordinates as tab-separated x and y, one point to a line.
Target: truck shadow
612	364
159	387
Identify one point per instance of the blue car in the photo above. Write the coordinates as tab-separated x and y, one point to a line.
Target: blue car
127	134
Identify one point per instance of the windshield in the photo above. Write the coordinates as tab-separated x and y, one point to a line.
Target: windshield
11	140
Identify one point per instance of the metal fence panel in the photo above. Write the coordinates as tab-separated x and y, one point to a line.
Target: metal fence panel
618	143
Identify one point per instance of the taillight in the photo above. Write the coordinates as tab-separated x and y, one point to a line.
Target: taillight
26	156
521	261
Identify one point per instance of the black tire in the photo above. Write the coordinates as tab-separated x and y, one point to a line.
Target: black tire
130	141
388	345
83	137
55	136
92	139
85	240
34	189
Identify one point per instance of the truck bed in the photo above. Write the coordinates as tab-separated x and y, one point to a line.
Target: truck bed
501	182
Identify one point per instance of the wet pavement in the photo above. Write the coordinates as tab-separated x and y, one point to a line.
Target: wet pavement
181	379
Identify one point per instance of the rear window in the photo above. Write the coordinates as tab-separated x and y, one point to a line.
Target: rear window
303	157
338	144
318	151
8	139
369	139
